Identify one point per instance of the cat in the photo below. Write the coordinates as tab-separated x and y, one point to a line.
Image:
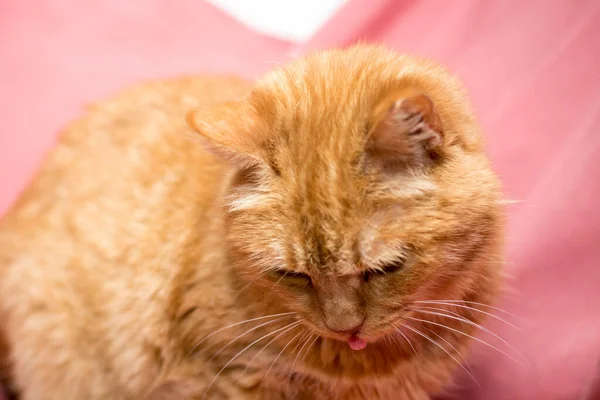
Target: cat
333	231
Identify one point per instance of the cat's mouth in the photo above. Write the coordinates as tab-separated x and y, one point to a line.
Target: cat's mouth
355	341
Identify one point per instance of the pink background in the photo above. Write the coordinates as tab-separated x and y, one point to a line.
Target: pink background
532	68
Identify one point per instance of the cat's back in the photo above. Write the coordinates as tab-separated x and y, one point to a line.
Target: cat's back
131	137
130	159
127	151
112	206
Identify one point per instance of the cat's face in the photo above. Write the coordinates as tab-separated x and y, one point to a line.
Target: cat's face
359	188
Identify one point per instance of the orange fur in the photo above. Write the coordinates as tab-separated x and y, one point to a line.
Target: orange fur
134	245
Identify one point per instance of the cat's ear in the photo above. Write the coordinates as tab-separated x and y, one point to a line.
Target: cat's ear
407	131
230	131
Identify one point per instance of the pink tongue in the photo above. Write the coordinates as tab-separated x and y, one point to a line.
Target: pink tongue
356	343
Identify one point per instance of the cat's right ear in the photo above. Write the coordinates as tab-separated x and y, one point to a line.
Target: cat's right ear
230	131
407	131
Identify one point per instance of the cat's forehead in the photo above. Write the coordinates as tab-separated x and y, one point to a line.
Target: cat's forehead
317	128
315	92
324	204
346	232
323	105
327	87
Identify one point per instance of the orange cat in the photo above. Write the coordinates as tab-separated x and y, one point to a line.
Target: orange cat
335	233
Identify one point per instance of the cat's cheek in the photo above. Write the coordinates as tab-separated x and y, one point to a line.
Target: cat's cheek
299	298
385	290
302	301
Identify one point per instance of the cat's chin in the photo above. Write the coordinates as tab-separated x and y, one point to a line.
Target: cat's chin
354	358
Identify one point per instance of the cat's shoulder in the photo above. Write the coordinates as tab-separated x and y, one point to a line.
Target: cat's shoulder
160	104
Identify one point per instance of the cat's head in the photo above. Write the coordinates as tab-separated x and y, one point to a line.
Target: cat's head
359	186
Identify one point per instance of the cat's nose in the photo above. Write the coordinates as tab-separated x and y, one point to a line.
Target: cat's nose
349	328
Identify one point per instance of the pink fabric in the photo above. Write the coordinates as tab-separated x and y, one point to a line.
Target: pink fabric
532	70
58	55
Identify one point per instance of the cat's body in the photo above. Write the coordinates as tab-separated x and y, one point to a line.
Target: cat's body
126	261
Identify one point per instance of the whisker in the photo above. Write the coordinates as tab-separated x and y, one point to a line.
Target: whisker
287	328
435	309
478	304
396	341
470	308
306	336
308	339
244	334
260	351
258	276
443	349
275	360
308	349
408	341
478	326
452	347
236	324
467	335
278	280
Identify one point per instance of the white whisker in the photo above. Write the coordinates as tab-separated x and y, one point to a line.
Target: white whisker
308	349
236	324
407	341
287	328
452	347
260	352
479	304
258	276
469	308
399	345
275	360
478	326
443	349
304	339
279	280
308	338
244	334
467	335
388	338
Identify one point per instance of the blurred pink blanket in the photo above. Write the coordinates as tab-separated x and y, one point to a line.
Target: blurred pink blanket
532	68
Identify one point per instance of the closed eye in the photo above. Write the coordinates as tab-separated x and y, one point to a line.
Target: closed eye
389	268
292	278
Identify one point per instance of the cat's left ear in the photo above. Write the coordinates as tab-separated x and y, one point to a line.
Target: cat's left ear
231	132
407	131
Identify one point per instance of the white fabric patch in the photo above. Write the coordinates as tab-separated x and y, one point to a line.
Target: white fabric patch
293	20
